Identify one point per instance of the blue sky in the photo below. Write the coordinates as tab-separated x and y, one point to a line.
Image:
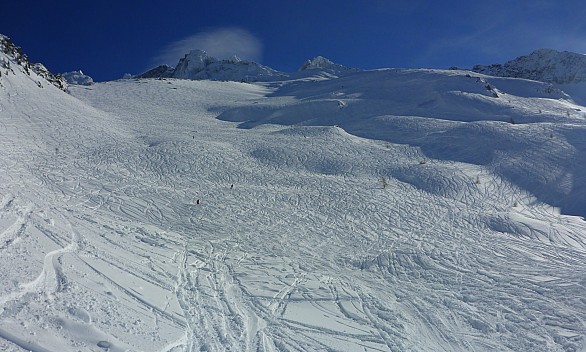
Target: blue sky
107	38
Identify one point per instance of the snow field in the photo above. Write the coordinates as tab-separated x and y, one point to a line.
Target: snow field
457	250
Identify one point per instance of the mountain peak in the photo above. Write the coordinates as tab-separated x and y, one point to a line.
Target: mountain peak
194	62
544	51
546	65
198	65
198	55
234	59
318	62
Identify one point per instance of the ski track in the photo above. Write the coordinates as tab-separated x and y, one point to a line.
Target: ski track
51	279
210	305
306	251
15	230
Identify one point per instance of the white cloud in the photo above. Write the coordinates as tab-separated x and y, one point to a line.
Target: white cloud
220	43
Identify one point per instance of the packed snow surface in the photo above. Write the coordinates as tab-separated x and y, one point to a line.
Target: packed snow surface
392	210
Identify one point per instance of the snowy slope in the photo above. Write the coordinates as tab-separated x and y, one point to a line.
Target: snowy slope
384	105
392	210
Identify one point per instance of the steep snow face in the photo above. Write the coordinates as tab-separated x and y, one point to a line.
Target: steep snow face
198	65
12	57
77	77
544	65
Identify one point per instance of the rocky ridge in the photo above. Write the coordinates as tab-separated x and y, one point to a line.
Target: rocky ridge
13	58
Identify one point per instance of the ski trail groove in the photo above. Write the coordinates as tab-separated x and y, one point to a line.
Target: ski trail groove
213	305
50	279
17	228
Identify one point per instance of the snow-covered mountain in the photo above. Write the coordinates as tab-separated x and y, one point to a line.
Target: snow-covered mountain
323	64
544	65
387	210
12	58
77	77
198	65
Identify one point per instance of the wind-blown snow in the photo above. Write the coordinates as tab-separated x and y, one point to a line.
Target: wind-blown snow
392	210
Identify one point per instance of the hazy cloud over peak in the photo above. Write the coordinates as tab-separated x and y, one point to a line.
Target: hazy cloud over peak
220	43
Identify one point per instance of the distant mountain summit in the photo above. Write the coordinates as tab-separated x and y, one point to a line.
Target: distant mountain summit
78	78
316	63
12	57
321	63
198	65
544	65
